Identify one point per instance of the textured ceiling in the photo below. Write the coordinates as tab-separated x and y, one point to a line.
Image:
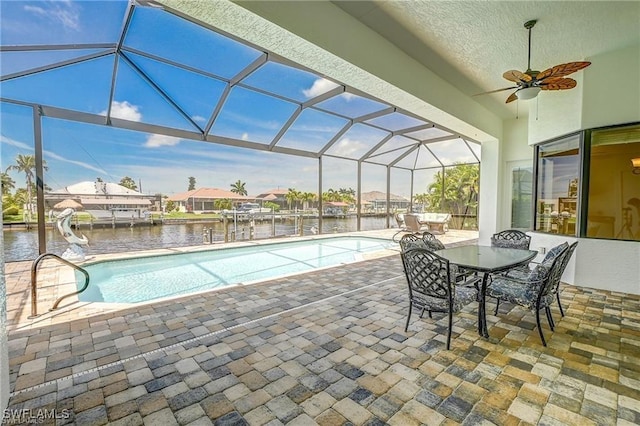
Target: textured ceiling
472	43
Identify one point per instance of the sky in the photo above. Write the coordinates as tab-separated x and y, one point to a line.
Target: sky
153	91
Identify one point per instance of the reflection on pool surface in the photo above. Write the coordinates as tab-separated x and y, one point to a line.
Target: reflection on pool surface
146	278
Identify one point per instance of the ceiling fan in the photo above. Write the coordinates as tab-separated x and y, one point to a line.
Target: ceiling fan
530	82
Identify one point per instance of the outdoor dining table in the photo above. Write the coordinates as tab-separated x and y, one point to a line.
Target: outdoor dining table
486	260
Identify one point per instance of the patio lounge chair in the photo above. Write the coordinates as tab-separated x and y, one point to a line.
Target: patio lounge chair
410	224
413	223
401	224
432	286
534	291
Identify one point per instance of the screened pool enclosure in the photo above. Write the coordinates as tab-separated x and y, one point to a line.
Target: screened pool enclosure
105	89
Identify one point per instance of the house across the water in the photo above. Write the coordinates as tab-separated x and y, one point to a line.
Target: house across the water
103	200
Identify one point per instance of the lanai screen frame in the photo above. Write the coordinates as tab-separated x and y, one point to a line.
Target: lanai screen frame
119	50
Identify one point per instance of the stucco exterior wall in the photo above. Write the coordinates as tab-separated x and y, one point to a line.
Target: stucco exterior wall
489	203
612	88
556	113
609	94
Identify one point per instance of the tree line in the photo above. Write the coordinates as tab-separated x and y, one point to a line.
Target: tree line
454	191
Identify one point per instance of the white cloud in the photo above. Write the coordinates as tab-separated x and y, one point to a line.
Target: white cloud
346	147
50	154
15	143
61	12
245	136
199	118
124	110
319	87
347	96
155	141
77	163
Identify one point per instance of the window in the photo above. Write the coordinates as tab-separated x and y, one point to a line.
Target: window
558	169
521	184
613	210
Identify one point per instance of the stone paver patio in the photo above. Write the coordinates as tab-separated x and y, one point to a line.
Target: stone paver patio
329	348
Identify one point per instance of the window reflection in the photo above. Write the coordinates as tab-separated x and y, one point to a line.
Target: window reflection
614	189
557	186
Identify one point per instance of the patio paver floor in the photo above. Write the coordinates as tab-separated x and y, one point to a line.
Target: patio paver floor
327	348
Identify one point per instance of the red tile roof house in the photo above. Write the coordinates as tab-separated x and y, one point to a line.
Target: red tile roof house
202	200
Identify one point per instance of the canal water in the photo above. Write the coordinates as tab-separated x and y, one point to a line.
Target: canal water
20	244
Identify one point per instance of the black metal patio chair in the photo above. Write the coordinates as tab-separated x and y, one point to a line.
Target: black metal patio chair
432	286
431	241
533	291
511	238
412	240
548	260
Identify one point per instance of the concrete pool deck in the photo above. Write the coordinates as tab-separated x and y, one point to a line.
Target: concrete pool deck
329	348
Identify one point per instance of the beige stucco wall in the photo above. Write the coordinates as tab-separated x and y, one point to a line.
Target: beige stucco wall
612	88
609	94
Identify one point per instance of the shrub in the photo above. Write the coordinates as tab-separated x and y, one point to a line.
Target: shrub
10	211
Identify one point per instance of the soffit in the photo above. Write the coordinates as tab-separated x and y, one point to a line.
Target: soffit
471	44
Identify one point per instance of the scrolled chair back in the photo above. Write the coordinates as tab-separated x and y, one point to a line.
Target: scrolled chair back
411	241
563	258
549	275
428	274
432	242
511	238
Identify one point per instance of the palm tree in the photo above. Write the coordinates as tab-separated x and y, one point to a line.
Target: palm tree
347	195
455	192
292	196
307	198
8	184
331	195
27	164
422	199
238	188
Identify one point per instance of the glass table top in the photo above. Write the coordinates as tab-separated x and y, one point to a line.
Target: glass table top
485	258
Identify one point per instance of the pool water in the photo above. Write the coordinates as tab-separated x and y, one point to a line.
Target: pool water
147	278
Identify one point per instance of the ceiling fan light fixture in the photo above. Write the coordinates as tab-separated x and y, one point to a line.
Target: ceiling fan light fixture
528	93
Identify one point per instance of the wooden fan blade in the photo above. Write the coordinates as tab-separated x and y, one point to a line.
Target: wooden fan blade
495	91
558	84
516	76
512	97
562	70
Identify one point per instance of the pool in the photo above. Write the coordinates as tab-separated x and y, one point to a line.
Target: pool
146	278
